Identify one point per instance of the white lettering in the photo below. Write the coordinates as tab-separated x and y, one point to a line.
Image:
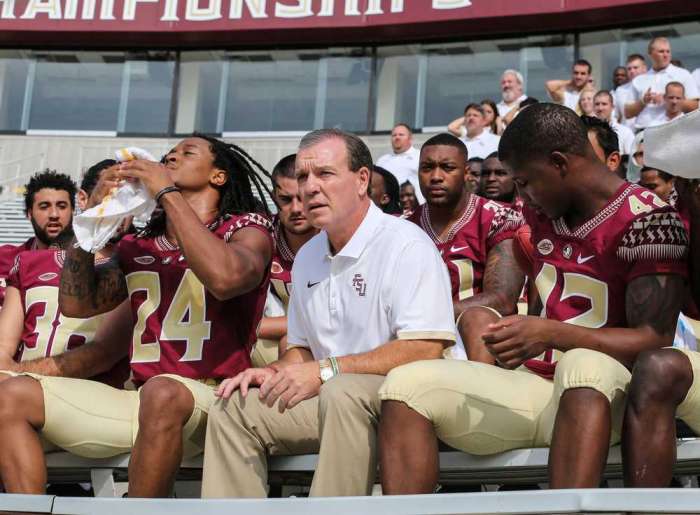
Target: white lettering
50	7
8	9
197	13
107	10
88	12
71	10
396	6
130	7
374	7
170	11
451	4
351	7
301	10
256	8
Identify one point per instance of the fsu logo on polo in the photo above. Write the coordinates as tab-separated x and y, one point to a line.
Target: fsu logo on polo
359	284
545	247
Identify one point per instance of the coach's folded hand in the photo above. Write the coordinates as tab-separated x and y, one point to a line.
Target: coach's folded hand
244	380
154	176
291	385
515	339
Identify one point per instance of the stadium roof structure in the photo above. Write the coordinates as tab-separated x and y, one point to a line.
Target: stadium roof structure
255	23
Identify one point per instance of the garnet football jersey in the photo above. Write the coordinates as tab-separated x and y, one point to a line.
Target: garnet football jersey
8	253
281	269
181	328
46	332
582	274
483	224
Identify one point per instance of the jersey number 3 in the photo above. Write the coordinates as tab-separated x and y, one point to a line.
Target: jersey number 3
184	321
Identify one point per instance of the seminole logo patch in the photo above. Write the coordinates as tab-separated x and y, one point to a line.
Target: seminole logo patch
144	260
276	268
545	247
48	276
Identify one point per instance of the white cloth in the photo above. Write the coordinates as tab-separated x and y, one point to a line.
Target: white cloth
685	337
625	137
696	77
665	119
672	147
656	81
623	95
94	228
571	99
482	145
388	282
504	109
404	166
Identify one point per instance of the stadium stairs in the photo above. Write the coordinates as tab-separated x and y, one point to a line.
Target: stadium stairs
14	226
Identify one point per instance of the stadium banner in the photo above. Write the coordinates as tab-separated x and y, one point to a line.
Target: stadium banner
293	22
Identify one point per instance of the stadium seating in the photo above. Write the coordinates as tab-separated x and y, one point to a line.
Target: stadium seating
523	466
14	226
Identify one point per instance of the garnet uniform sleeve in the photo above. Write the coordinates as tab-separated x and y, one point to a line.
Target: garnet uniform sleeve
254	220
654	243
13	279
504	223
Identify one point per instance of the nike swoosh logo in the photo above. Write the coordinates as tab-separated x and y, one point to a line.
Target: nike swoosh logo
457	249
309	284
581	260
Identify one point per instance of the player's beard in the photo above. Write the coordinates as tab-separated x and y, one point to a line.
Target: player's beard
61	240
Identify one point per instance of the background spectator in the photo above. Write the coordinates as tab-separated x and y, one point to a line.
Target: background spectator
402	161
649	87
475	166
636	65
658	181
491	118
497	180
585	102
407	197
674	96
470	129
512	91
619	76
603	106
567	91
384	191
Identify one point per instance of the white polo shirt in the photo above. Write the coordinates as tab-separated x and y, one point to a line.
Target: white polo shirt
404	166
387	283
656	81
666	119
504	109
624	95
482	145
625	137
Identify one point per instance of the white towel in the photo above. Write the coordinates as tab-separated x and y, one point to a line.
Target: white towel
96	226
673	147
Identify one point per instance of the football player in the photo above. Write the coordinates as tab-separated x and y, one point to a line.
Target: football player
49	207
192	286
291	230
609	267
474	236
34	336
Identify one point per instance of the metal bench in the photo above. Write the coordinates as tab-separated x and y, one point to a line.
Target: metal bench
522	466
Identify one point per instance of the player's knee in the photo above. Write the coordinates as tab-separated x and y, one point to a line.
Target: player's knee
21	398
660	376
164	402
591	370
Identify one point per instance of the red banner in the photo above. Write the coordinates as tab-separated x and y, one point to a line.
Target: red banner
184	23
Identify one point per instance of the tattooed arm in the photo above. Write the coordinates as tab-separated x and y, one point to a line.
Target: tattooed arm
87	290
503	282
652	304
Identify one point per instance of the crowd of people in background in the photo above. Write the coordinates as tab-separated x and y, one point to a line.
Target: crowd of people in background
511	283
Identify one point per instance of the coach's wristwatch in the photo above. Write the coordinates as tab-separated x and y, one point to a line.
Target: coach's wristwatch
326	370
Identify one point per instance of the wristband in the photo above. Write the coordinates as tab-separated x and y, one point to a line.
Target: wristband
334	365
165	191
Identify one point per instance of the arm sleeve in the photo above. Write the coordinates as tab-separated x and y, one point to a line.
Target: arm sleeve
421	301
656	243
13	279
504	223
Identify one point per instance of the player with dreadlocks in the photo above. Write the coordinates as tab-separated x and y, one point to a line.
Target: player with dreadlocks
192	286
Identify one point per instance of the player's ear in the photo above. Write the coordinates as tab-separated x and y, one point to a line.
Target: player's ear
560	161
613	161
81	199
218	177
363	180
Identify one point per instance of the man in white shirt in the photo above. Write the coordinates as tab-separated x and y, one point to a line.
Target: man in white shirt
512	91
369	292
402	161
566	92
649	88
674	97
603	106
470	129
636	65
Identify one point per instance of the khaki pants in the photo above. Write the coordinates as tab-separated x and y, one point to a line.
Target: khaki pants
340	424
483	409
689	410
94	420
264	352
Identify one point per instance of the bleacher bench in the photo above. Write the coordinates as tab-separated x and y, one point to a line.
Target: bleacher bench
522	466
